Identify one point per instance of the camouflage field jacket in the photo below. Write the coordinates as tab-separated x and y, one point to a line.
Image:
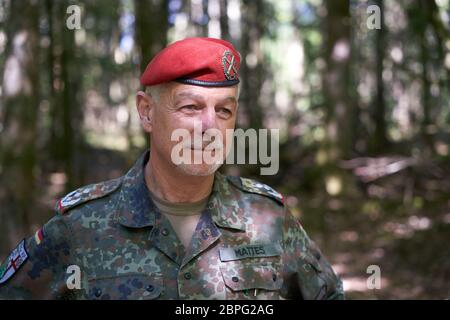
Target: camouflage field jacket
109	241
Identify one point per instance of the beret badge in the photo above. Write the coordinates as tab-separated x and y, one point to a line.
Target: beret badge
229	65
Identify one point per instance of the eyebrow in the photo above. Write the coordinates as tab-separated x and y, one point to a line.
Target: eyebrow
200	97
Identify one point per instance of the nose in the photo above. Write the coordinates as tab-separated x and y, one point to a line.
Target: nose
208	119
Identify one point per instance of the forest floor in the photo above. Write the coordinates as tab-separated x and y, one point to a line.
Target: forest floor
407	239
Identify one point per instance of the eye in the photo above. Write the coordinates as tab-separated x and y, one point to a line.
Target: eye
189	107
226	112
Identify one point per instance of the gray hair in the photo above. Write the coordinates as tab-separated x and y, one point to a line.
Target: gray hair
155	91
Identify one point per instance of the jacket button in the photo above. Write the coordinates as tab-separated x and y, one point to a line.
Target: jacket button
150	288
274	277
187	275
165	232
97	292
307	267
235	279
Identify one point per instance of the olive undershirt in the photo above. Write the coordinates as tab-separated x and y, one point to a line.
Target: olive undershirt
183	216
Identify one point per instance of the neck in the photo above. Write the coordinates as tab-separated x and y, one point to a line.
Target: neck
169	184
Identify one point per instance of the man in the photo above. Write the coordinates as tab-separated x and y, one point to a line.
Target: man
170	230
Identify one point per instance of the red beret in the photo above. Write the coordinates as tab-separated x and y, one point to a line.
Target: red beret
198	61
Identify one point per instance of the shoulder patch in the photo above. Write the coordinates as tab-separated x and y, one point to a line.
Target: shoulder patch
252	186
87	193
15	260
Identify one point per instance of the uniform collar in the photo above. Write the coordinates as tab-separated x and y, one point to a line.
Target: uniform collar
137	210
224	204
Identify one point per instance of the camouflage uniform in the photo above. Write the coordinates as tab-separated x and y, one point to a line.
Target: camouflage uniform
247	245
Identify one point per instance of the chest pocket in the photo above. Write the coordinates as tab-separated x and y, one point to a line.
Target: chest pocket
251	271
254	279
126	287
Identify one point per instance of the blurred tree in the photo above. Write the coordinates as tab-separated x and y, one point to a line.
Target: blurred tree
20	105
224	23
150	34
65	86
379	138
151	28
340	109
254	22
422	26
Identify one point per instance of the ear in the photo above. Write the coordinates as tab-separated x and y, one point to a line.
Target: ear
145	107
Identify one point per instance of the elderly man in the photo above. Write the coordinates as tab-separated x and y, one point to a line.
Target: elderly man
171	230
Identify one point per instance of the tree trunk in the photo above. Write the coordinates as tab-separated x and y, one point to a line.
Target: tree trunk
224	27
379	140
151	28
340	117
150	36
424	60
66	140
252	74
18	119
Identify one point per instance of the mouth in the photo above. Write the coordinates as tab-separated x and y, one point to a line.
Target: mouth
203	149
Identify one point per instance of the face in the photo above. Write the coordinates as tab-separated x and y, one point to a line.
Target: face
191	123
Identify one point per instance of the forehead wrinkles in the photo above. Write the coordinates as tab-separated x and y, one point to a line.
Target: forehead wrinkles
188	94
204	97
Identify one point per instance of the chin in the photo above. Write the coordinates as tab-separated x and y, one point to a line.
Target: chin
200	170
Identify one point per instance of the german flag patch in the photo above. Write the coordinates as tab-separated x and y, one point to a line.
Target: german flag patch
39	236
